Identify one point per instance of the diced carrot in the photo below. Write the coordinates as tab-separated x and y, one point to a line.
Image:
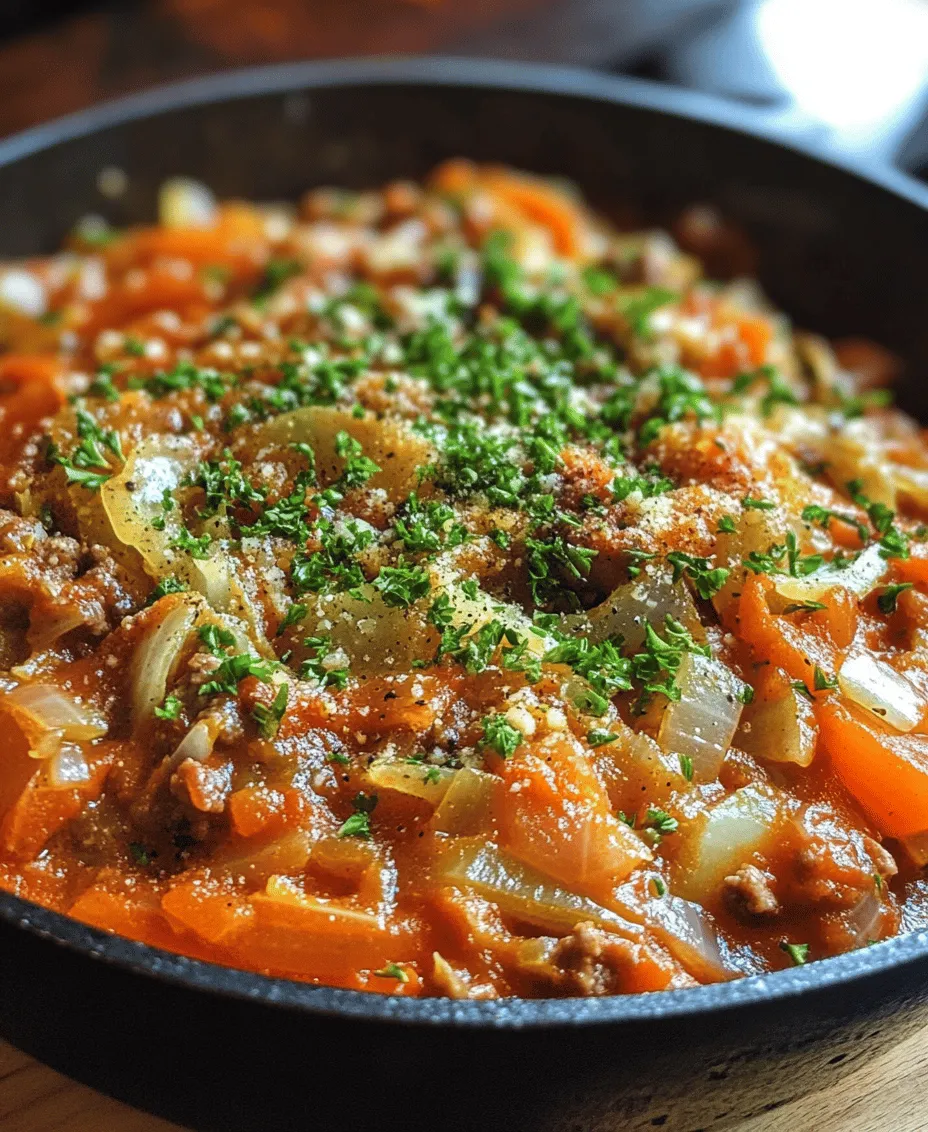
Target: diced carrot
755	332
553	813
29	391
135	914
299	935
887	772
542	204
914	568
784	640
256	809
210	911
42	810
455	176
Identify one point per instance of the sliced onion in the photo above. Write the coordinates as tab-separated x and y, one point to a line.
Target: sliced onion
703	721
68	767
466	807
157	655
47	717
859	578
779	730
631	607
754	531
185	203
854	454
377	639
912	484
284	891
132	499
683	927
874	685
430	783
197	744
524	893
391	444
864	918
45	631
723	839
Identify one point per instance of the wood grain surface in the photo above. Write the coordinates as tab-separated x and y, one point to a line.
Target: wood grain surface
886	1095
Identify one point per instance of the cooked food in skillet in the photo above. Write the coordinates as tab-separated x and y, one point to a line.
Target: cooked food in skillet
438	591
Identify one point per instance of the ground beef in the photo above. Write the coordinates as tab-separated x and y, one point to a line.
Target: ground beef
749	894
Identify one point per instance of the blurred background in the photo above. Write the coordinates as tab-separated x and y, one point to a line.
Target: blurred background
850	76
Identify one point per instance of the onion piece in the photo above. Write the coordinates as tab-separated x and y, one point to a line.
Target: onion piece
68	767
197	744
524	893
853	453
779	730
465	809
858	578
877	687
133	499
185	203
863	919
683	928
703	721
47	717
155	658
430	783
912	484
723	838
630	608
391	444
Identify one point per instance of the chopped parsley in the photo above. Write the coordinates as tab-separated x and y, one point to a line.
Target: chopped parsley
359	824
268	716
232	670
170	709
890	595
168	585
706	580
798	952
402	585
393	971
500	735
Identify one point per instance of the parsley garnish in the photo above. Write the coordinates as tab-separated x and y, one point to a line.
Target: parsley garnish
707	581
798	952
170	709
402	585
499	734
890	595
599	738
393	971
359	824
167	585
269	716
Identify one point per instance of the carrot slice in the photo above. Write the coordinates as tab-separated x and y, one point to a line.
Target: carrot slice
784	641
542	204
554	814
212	912
885	771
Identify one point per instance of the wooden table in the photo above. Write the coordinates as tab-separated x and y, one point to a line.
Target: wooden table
885	1095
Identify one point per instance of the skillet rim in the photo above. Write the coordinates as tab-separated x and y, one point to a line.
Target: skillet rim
197	975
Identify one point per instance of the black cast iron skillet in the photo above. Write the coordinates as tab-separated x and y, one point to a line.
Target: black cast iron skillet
843	252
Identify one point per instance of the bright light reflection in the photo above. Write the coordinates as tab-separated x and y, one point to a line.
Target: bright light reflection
854	64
